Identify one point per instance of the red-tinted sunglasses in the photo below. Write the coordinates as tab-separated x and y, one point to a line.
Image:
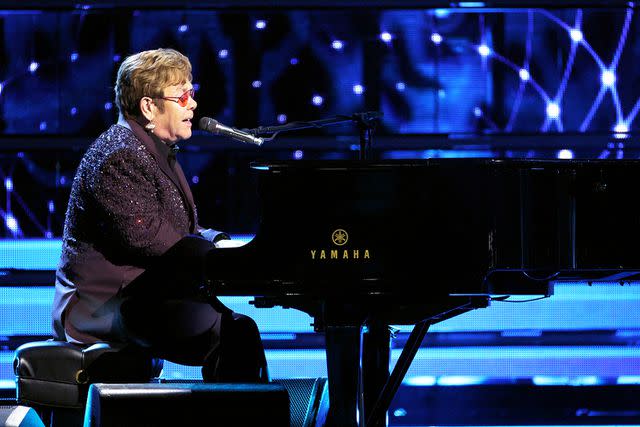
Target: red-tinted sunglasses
183	99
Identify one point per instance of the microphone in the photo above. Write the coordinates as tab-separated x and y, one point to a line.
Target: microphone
217	128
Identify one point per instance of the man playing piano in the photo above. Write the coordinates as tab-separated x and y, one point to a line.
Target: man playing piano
131	265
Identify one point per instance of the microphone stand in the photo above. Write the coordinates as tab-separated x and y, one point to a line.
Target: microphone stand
366	123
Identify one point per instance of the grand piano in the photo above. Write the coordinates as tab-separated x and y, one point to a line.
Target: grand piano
362	245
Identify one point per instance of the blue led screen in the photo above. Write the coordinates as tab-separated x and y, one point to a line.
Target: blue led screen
429	71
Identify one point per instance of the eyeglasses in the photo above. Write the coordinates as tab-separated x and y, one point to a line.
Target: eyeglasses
183	99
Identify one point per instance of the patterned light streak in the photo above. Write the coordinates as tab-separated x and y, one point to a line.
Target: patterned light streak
551	97
553	103
10	222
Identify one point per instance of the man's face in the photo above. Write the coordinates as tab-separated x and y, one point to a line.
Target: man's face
174	123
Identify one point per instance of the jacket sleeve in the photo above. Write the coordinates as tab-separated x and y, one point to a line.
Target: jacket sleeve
129	206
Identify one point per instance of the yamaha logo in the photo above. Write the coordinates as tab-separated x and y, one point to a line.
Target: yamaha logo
340	237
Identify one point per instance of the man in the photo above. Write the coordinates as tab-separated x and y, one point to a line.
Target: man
132	254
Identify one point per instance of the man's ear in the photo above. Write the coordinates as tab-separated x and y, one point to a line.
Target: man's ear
148	108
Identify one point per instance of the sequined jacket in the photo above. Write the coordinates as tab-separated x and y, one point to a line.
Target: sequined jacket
128	204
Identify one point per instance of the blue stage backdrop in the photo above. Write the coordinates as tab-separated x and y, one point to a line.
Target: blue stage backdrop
460	70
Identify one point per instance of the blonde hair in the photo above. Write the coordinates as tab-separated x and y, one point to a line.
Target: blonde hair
148	73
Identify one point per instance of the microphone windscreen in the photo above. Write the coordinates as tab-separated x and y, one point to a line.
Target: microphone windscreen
208	124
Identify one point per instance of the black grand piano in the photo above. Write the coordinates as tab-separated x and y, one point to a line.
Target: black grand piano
361	245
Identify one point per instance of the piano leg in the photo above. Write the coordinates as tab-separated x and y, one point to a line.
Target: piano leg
343	369
389	389
376	344
358	369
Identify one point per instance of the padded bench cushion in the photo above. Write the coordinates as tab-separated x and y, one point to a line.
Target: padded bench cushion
58	374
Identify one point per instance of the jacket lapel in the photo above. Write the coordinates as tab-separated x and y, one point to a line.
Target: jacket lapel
176	176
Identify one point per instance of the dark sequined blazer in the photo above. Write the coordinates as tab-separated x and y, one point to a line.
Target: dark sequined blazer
129	203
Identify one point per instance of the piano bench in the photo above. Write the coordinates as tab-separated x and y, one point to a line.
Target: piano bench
53	377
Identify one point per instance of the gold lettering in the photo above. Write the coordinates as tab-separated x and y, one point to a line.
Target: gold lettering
335	254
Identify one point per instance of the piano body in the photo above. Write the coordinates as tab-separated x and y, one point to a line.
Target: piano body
361	245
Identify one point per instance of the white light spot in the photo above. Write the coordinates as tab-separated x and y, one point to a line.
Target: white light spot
400	86
524	74
73	57
223	53
608	78
256	84
183	28
33	67
621	127
317	100
298	154
553	110
1	87
108	106
575	34
261	24
484	50
386	37
436	38
11	222
477	112
8	183
358	89
621	130
421	381
282	118
565	154
337	44
399	412
442	13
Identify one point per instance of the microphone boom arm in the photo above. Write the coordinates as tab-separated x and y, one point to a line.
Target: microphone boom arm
366	123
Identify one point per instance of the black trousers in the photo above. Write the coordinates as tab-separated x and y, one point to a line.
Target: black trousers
166	312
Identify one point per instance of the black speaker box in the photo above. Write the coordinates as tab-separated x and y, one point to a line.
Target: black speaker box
19	416
222	404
